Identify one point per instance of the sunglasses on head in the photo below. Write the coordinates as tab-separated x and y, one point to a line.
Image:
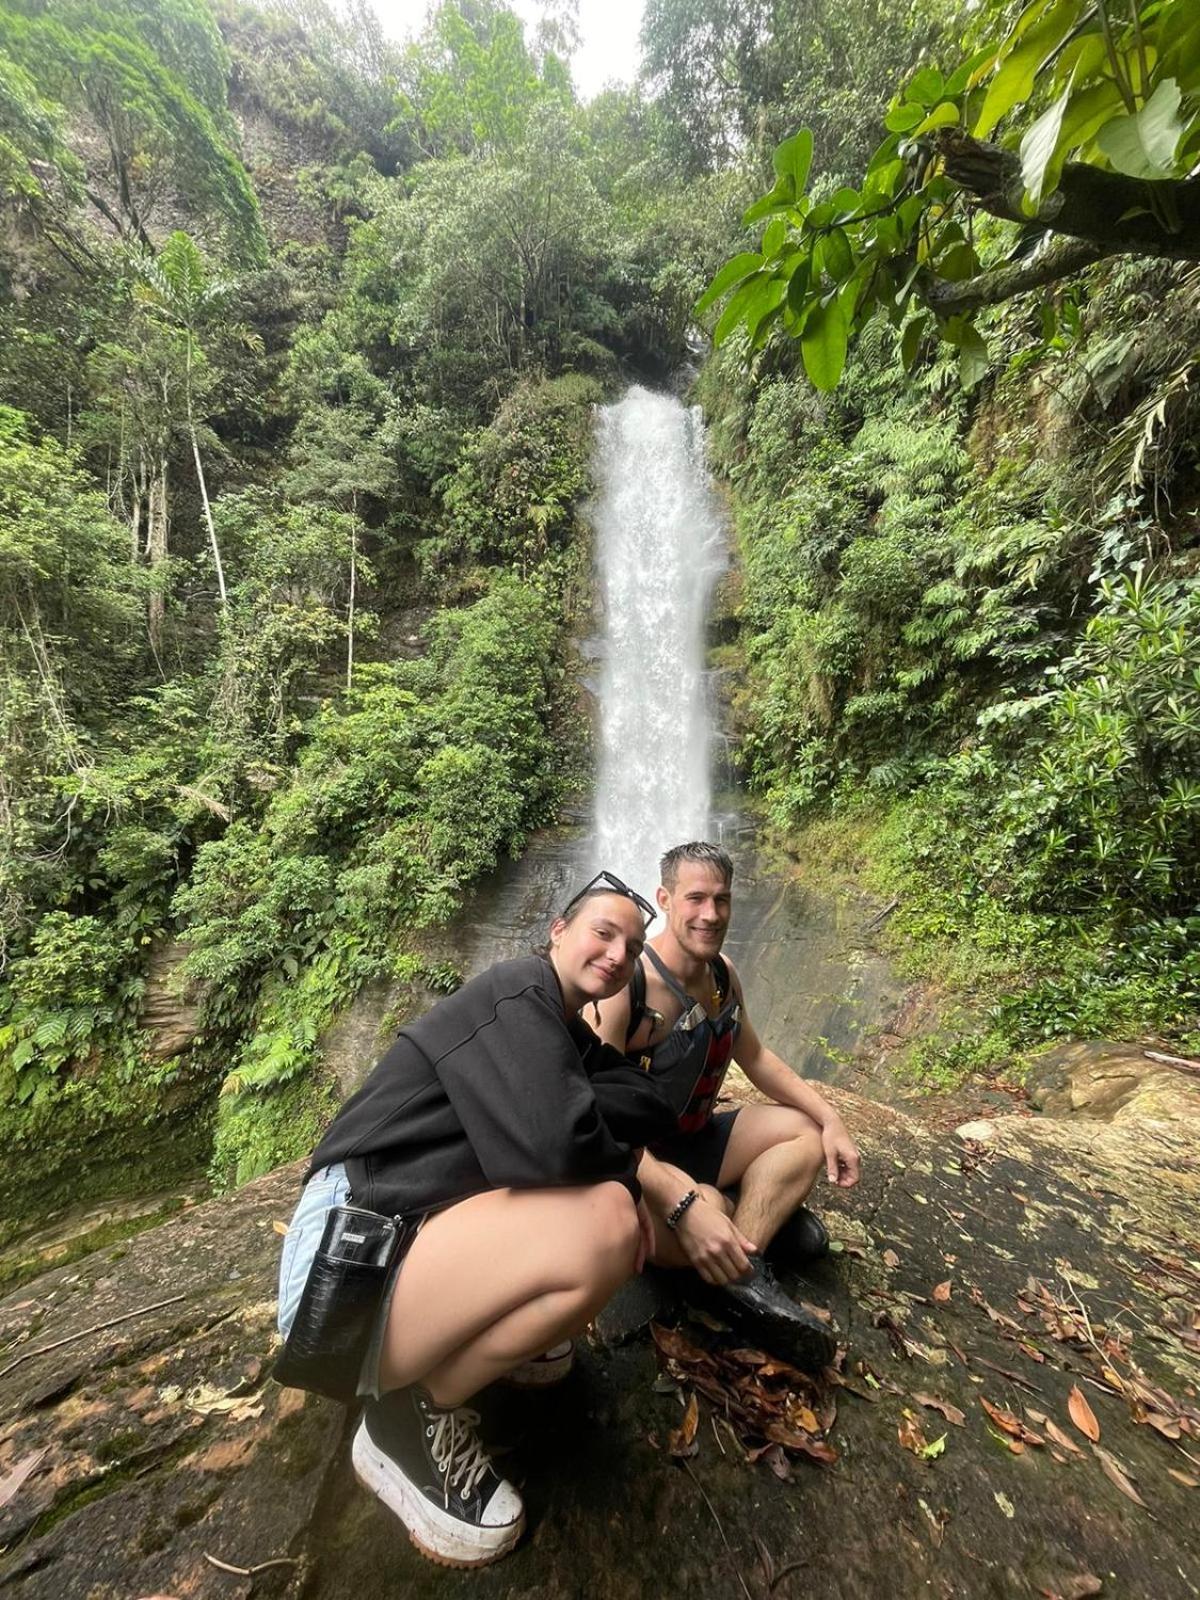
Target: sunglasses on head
610	883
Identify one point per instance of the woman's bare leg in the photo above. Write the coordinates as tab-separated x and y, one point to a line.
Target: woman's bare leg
501	1277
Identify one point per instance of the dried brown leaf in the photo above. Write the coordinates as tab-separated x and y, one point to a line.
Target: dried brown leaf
1115	1473
1167	1426
1185	1478
941	1291
681	1441
891	1259
674	1344
1062	1438
1082	1414
951	1413
280	1228
1009	1424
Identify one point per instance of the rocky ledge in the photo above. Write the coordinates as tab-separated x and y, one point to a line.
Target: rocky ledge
1016	1411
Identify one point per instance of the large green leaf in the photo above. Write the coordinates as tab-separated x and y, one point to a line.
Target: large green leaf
823	344
944	115
1012	82
793	158
1038	148
780	198
1143	145
732	272
750	303
972	357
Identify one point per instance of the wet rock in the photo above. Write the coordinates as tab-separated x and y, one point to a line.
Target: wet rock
1064	1255
981	1131
170	1013
1087	1078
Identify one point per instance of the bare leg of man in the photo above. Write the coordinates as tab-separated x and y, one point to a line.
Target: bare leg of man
501	1277
774	1155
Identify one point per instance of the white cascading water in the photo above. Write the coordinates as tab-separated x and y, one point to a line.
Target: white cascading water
660	545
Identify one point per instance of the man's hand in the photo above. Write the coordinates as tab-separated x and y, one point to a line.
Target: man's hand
717	1250
841	1154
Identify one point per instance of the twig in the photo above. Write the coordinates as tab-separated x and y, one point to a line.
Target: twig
1180	1063
712	1512
712	1417
250	1572
97	1327
881	916
1013	1377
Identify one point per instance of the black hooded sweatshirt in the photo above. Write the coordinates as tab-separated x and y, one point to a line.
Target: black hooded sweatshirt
494	1088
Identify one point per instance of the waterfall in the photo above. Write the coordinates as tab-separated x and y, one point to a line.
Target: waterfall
660	545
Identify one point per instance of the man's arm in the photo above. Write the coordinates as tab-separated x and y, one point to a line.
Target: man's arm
613	1026
768	1073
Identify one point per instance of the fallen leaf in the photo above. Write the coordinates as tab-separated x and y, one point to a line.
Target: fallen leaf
1062	1438
951	1413
1005	1504
1164	1425
890	1258
1185	1478
1082	1414
10	1483
280	1228
1115	1473
1077	1587
681	1441
1009	1424
941	1291
910	1435
672	1343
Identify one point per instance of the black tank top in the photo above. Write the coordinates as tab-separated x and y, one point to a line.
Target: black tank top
691	1062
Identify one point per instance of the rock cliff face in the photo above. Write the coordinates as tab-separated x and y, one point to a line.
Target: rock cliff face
1057	1262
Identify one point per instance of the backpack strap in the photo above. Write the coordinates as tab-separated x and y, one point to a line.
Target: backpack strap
637	1001
721	979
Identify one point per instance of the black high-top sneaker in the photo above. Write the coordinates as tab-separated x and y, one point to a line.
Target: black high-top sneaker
427	1464
801	1239
775	1321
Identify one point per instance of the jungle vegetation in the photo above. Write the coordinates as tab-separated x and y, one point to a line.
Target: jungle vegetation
300	332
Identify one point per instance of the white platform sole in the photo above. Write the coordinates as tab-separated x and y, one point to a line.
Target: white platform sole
435	1533
545	1370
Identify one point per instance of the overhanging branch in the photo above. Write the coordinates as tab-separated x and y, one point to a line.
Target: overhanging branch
1062	259
1116	214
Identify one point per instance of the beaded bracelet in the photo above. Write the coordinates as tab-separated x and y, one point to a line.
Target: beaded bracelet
676	1212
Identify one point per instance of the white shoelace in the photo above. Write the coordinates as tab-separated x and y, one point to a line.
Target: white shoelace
458	1451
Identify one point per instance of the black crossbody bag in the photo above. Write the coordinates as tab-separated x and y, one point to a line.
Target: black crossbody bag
342	1297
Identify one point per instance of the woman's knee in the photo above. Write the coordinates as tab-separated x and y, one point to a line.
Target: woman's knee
614	1222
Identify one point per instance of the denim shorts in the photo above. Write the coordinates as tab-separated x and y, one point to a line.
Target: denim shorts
325	1189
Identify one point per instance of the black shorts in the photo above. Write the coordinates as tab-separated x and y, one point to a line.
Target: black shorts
699	1154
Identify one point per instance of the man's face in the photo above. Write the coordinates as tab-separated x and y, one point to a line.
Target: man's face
697	909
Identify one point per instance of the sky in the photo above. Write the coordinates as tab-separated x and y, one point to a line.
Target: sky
609	28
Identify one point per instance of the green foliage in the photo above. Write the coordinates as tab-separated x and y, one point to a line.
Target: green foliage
1120	88
514	495
152	80
428	774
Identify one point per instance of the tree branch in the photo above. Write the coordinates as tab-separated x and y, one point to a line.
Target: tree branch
1116	214
1062	259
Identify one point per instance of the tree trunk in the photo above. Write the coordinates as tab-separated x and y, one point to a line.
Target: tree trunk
156	545
353	582
208	516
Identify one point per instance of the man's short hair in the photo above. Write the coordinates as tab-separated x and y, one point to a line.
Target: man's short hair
709	855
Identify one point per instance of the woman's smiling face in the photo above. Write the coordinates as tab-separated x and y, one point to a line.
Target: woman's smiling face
594	952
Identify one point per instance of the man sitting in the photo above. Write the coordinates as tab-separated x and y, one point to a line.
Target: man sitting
684	1019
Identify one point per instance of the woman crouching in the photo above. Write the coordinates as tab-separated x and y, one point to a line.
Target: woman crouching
506	1135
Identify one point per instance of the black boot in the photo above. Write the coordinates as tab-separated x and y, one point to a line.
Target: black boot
801	1239
776	1322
